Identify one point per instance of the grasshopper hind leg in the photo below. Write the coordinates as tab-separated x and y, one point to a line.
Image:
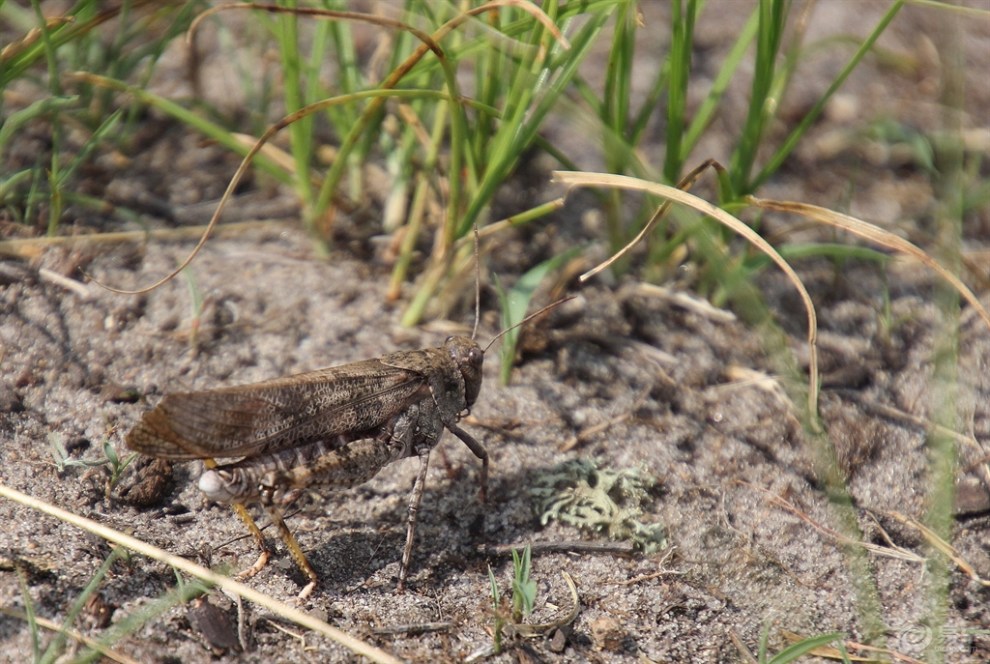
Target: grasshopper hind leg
275	515
291	543
241	511
266	553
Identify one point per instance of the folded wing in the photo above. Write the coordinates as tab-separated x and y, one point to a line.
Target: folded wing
267	417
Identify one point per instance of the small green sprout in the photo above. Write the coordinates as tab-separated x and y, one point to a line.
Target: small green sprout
523	587
496	611
110	459
523	594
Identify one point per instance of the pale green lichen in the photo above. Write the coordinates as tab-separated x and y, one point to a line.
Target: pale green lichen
603	500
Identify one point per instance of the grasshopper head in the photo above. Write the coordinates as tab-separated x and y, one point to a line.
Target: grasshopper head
468	357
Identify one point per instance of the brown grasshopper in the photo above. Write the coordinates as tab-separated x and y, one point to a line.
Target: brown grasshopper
332	428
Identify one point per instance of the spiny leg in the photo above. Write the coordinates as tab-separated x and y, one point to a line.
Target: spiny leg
266	553
245	516
276	480
275	514
479	451
414	500
482	454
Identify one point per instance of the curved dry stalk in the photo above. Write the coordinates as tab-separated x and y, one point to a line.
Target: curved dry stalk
893	551
684	184
577	179
876	235
226	583
32	247
378	96
361	17
383	21
235	180
525	5
428	43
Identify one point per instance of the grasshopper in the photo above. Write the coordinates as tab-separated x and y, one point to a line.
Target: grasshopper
330	428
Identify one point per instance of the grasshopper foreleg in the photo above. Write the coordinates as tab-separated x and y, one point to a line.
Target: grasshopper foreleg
479	451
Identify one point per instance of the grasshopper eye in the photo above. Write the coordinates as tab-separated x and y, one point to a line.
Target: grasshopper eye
469	358
471	370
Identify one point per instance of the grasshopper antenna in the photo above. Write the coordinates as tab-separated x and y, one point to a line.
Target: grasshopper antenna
477	282
552	305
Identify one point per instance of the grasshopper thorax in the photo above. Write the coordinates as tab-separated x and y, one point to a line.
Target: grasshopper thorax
468	357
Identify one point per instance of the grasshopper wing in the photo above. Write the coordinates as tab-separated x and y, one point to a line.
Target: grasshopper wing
274	415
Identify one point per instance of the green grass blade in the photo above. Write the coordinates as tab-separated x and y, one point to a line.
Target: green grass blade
730	66
301	132
523	587
518	134
774	163
55	648
42	107
769	33
496	602
29	612
206	127
515	303
794	652
682	44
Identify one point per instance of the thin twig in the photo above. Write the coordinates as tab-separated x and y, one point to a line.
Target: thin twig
894	552
653	575
68	284
901	416
30	247
941	545
695	305
594	548
226	583
588	432
834	653
929	427
593	430
414	629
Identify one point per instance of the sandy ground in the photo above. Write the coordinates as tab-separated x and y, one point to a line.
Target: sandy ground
644	377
